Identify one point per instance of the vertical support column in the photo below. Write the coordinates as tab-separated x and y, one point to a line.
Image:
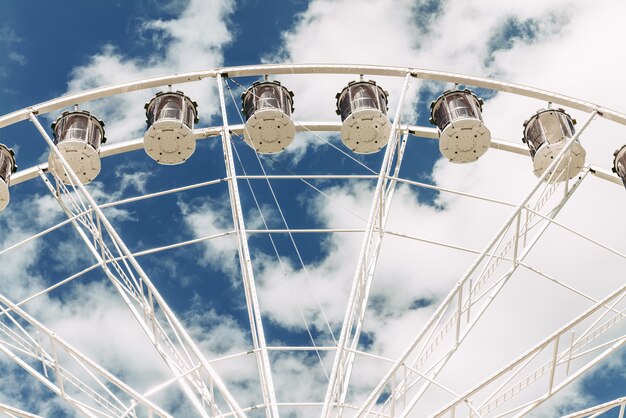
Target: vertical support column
254	312
553	365
364	273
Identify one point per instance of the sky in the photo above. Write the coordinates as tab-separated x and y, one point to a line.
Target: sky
303	281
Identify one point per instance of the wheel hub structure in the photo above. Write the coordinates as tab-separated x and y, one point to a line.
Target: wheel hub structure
276	273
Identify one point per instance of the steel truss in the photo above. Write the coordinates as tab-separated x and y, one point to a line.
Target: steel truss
64	370
556	372
16	413
179	352
448	327
245	260
549	366
366	266
596	411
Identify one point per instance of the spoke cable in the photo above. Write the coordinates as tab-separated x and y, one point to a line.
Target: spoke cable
280	261
315	134
280	211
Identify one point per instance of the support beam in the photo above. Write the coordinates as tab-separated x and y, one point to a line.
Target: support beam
155	317
42	361
544	348
365	269
245	261
15	412
122	147
600	409
256	70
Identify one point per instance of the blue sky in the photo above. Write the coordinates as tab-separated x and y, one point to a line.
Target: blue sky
49	51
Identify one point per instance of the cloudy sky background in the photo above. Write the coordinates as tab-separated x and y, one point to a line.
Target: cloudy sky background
570	47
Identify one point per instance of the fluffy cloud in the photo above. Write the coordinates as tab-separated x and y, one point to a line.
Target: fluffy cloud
177	45
552	45
8	41
211	219
532	44
116	342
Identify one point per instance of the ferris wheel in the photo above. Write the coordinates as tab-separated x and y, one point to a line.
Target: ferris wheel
516	319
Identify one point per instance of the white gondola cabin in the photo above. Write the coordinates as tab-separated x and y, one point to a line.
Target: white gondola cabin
619	163
363	109
463	137
78	136
545	134
268	106
170	117
7	167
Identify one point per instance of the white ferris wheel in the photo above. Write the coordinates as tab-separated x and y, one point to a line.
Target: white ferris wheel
460	355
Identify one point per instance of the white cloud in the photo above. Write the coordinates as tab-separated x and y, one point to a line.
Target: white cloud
91	315
208	219
557	52
178	44
8	40
562	54
17	58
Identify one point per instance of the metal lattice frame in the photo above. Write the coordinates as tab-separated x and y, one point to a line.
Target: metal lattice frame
180	353
419	365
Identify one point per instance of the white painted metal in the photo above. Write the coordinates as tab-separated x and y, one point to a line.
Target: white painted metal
124	284
448	315
141	296
271	69
558	359
489	294
600	409
511	247
245	261
14	412
56	376
419	131
366	266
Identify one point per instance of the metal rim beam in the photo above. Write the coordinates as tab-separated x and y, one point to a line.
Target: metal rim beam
252	70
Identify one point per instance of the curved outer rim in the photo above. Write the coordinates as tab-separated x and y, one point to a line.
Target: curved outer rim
274	69
252	70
